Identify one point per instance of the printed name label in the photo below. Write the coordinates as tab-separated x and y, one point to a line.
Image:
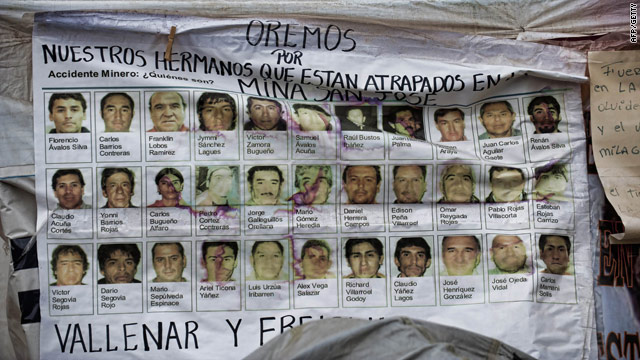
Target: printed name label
172	146
218	296
71	300
266	219
510	287
410	217
403	148
458	290
549	146
125	222
119	298
217	145
414	291
169	296
168	221
554	288
362	145
364	292
553	215
318	219
315	293
315	145
218	220
455	150
362	218
506	150
266	294
118	147
265	145
458	216
68	148
70	224
513	215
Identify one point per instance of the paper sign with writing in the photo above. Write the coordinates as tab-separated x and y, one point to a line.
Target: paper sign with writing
615	127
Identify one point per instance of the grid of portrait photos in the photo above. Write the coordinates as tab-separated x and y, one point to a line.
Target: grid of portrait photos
181	200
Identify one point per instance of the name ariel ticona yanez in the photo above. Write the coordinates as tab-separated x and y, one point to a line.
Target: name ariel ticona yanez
286	77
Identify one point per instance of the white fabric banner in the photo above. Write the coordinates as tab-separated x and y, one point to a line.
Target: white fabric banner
277	171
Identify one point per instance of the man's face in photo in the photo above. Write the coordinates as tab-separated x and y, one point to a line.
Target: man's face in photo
264	114
67	115
267	261
406	119
170	187
315	262
220	185
458	184
412	261
364	261
460	255
120	268
545	118
507	185
451	126
168	263
356	116
69	269
508	253
311	120
362	184
265	187
497	119
549	184
314	182
117	114
118	190
409	185
217	116
555	255
220	263
167	111
69	191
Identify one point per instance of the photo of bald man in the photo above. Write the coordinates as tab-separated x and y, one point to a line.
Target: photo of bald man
509	254
167	110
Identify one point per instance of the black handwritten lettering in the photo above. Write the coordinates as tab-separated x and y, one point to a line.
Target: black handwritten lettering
235	331
263	329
